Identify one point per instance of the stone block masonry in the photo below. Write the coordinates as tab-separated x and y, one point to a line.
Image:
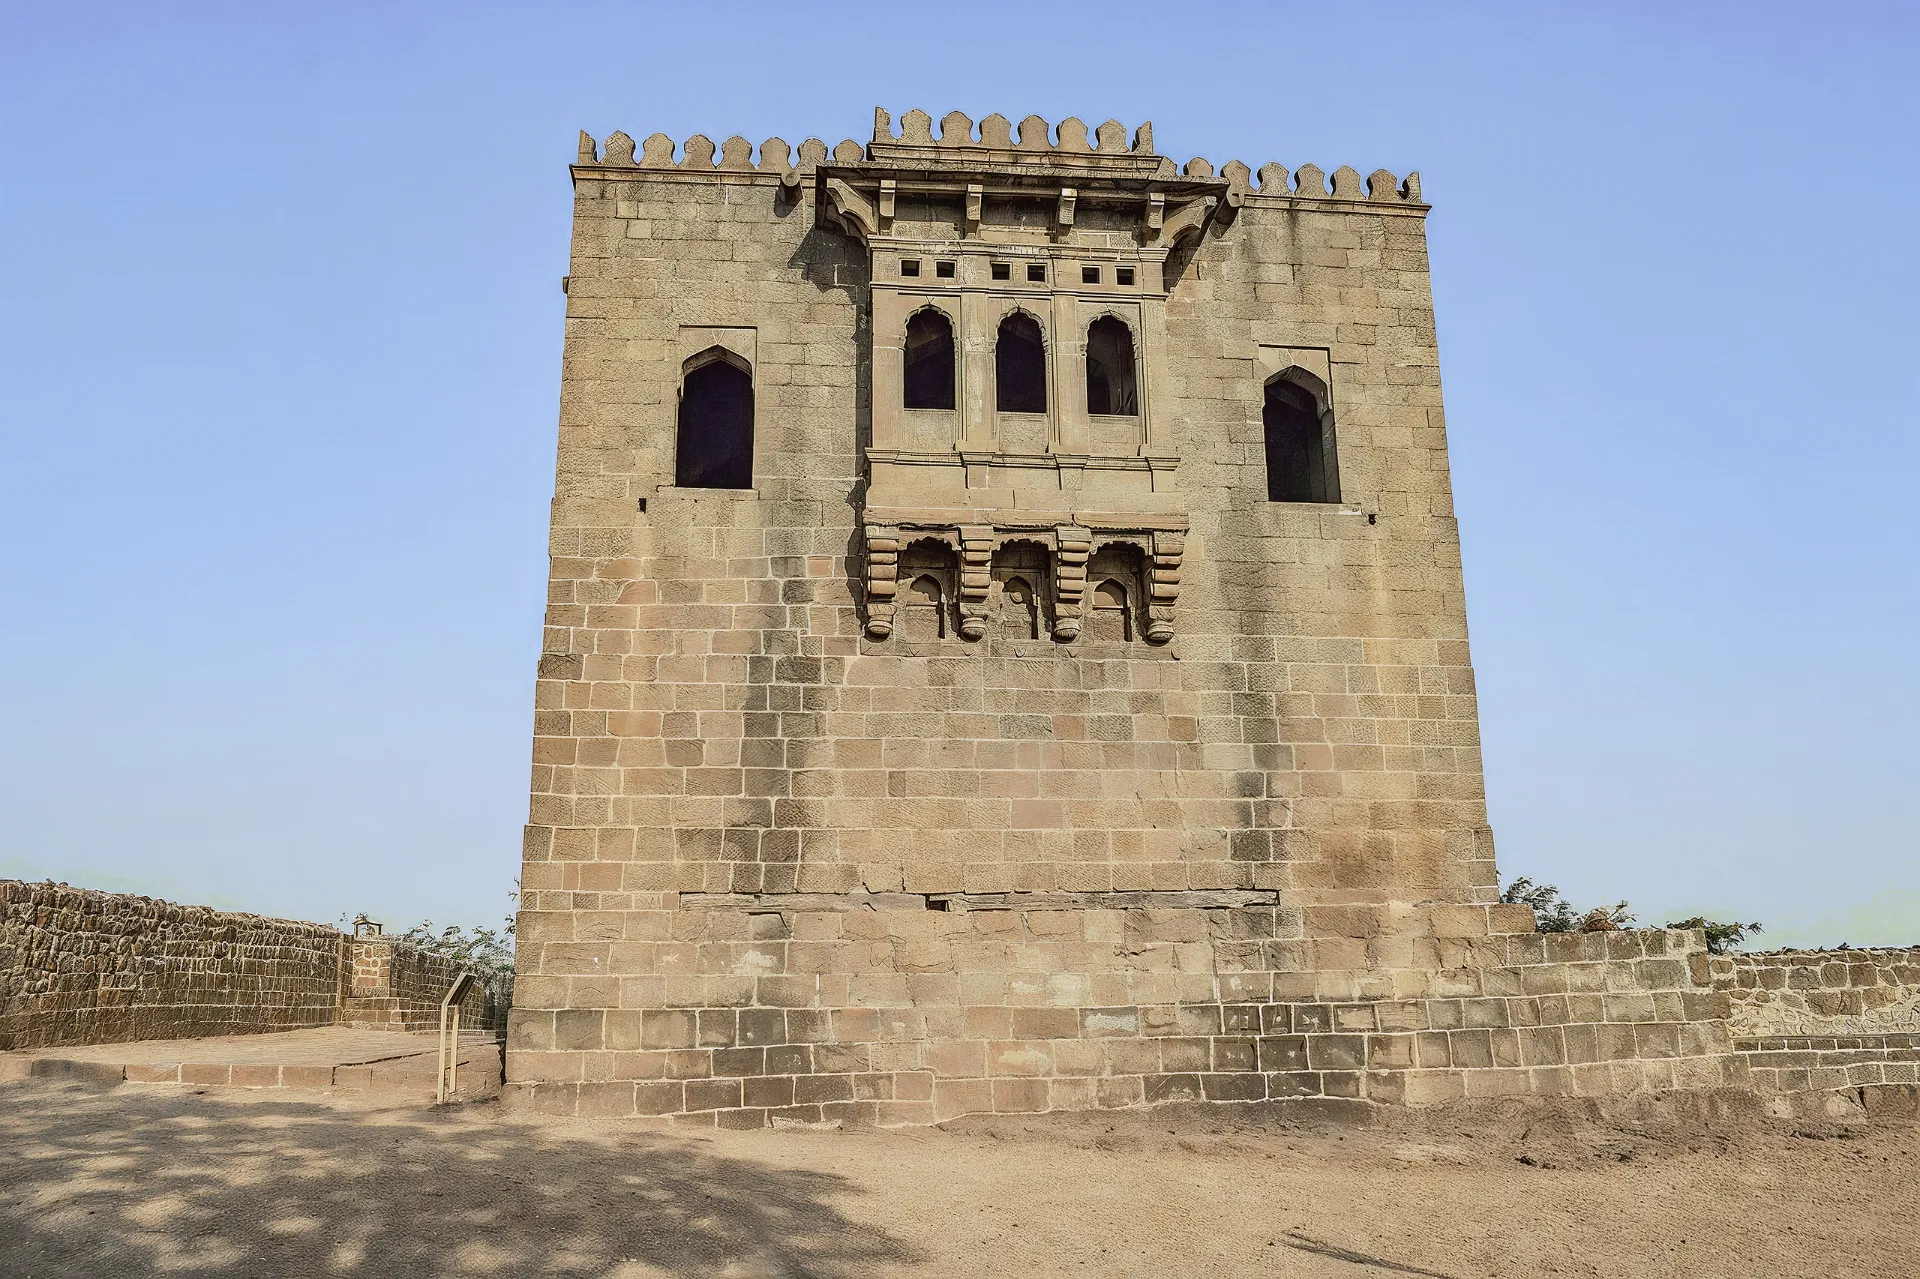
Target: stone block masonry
78	966
1006	650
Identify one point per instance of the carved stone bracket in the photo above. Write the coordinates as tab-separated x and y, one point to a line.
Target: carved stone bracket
1073	546
883	573
1164	587
851	211
976	573
1070	547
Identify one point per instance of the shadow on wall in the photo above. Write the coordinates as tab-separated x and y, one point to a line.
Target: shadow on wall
121	1183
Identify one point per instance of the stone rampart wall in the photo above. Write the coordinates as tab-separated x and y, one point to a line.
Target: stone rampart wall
1801	993
79	966
901	1016
400	986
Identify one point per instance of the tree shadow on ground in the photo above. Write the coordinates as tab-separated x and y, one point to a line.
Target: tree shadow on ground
132	1182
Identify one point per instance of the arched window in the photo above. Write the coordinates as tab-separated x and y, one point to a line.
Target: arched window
1111	388
1018	613
1020	366
929	360
927	572
924	614
714	443
1301	464
1108	617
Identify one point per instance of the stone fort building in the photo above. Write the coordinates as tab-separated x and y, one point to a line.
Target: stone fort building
1006	651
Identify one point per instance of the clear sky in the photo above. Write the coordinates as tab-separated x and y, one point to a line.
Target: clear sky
280	326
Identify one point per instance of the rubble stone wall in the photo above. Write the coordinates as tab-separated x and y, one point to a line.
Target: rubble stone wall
397	986
1821	992
1822	1021
78	966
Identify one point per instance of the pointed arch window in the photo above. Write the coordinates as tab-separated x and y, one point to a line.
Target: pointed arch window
1109	618
713	445
1302	463
1112	388
1020	366
929	360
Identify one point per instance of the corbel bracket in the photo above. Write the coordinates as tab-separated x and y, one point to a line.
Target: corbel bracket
849	210
1063	215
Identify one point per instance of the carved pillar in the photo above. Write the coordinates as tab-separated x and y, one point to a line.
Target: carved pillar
1168	550
883	572
1073	546
976	574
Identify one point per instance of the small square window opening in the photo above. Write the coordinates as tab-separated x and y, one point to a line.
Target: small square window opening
909	266
943	269
1037	271
1123	274
1089	275
1002	271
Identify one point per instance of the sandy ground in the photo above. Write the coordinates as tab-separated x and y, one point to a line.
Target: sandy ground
164	1179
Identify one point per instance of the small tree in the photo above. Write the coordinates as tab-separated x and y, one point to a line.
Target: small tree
1553	913
1721	938
481	949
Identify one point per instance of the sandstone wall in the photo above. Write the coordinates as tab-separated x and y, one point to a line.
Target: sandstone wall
1820	1021
710	716
397	986
85	967
900	1016
78	966
776	866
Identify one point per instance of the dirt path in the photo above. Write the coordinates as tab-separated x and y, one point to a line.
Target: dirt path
146	1179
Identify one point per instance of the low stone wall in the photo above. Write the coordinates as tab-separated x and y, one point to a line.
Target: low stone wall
1826	1021
397	986
78	966
916	1016
1820	992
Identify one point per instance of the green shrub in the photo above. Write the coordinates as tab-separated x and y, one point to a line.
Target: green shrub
1721	938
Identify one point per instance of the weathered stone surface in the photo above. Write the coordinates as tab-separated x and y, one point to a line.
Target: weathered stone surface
78	966
997	751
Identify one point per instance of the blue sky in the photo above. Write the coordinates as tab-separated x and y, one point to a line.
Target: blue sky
279	361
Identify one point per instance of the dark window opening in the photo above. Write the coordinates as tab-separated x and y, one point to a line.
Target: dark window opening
1300	462
1002	271
910	266
943	269
1037	271
929	352
1020	366
1123	274
1089	275
1111	386
714	440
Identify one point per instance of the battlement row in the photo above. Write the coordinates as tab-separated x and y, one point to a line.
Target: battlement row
777	158
996	132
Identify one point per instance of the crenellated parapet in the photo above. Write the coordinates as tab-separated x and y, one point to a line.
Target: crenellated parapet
996	143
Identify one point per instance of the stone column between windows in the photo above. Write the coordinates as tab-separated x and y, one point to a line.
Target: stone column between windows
1069	430
974	355
1150	362
889	368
